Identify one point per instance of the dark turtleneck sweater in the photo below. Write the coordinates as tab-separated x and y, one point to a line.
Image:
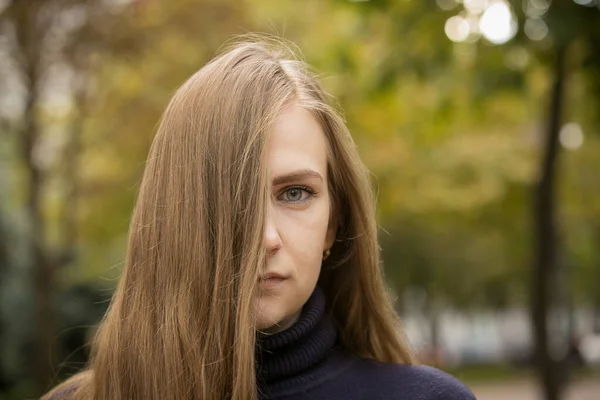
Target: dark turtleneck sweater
306	361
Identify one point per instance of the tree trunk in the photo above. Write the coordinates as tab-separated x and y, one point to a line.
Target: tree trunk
29	30
596	324
42	271
550	370
433	316
32	22
596	309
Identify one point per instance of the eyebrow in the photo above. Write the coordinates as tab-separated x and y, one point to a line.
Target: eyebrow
297	175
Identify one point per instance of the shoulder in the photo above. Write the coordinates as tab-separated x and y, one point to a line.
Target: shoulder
61	393
435	384
70	388
421	382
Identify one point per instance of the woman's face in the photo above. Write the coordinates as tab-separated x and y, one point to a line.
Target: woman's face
297	230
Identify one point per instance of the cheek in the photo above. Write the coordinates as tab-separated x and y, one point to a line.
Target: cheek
305	230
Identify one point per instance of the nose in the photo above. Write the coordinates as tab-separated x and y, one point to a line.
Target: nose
272	240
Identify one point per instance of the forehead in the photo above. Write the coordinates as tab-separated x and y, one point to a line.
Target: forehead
297	141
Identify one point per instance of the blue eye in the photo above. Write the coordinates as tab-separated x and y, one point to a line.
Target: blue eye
296	194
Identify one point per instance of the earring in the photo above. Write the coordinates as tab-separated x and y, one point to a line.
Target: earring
326	254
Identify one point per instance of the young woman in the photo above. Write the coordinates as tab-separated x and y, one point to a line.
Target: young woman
252	268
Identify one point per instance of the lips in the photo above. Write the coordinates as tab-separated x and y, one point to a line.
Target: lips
272	280
273	275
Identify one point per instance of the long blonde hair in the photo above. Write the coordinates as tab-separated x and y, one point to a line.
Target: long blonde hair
180	324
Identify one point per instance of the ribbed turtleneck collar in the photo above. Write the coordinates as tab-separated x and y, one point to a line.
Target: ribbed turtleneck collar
296	349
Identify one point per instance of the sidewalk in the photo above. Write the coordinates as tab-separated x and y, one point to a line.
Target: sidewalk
588	389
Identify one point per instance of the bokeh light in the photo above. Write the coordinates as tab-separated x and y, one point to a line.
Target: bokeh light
475	6
457	28
535	29
497	23
474	33
571	136
585	2
535	8
447	4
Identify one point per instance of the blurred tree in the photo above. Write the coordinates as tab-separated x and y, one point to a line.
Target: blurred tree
48	43
31	24
550	31
568	24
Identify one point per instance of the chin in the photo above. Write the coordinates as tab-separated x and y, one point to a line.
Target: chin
264	326
269	312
